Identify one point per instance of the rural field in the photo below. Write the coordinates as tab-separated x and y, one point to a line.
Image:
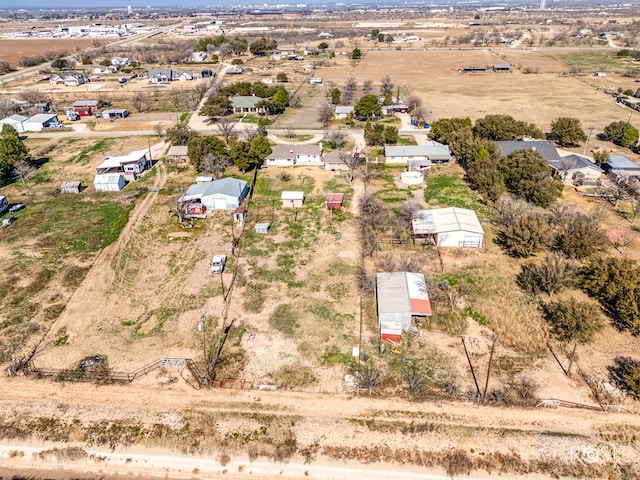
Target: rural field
116	275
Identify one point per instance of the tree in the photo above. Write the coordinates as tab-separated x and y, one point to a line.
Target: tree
571	320
621	133
374	133
180	134
442	130
352	160
13	152
580	236
527	234
615	282
386	85
282	77
368	106
215	164
619	237
349	90
390	134
225	128
485	176
225	50
625	374
239	45
567	131
356	54
367	86
601	157
259	150
335	96
527	175
323	46
262	46
553	274
504	127
59	64
202	145
325	114
216	105
336	138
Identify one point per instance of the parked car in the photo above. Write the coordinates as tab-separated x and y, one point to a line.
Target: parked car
16	207
217	263
122	80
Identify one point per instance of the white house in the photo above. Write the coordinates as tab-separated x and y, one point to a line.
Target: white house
333	161
290	155
576	168
417	156
343	111
450	227
39	122
225	194
109	182
16	121
400	296
130	165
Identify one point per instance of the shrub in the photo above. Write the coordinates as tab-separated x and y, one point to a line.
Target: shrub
571	320
292	376
283	319
625	374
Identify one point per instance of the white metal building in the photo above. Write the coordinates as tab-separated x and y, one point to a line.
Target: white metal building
450	227
400	296
224	194
130	165
109	182
16	121
39	122
292	199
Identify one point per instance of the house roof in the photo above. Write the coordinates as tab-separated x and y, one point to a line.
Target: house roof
229	186
42	118
160	72
620	162
177	151
85	103
574	162
116	161
344	109
333	157
402	292
547	150
115	110
334	197
450	219
292	195
246	101
430	149
291	151
14	119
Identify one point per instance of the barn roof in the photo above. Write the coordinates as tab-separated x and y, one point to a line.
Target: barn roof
431	149
228	186
402	293
451	219
334	197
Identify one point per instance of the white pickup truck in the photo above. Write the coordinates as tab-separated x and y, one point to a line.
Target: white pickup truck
217	263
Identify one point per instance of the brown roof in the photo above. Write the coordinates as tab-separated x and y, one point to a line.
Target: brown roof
334	197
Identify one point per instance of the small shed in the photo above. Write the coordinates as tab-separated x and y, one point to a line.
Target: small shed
115	113
400	296
262	227
109	182
333	201
178	154
71	187
292	199
86	108
16	121
239	214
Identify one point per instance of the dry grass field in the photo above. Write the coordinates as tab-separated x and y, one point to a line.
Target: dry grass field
13	50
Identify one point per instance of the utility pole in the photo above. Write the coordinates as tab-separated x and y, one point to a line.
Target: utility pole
202	328
486	384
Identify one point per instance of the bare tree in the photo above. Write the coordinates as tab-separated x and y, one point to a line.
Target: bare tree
289	131
295	101
225	50
421	114
367	86
336	137
159	129
352	160
225	128
215	164
413	102
325	114
619	237
141	102
386	85
33	96
349	90
175	97
22	171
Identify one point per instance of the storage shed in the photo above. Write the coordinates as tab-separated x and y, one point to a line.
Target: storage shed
39	122
449	227
86	108
400	296
71	187
115	113
333	201
225	194
109	182
262	227
292	199
16	121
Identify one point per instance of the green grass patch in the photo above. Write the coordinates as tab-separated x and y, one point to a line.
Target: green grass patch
595	61
295	138
284	319
327	315
406	141
86	154
184	116
452	191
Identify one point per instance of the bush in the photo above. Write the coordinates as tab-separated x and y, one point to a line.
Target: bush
552	275
292	376
284	320
625	374
571	320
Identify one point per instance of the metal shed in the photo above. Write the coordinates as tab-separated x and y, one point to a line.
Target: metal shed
333	201
450	227
109	182
262	227
292	199
400	296
71	187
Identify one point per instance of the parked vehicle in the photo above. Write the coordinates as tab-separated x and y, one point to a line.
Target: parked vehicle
4	204
217	263
122	80
16	207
